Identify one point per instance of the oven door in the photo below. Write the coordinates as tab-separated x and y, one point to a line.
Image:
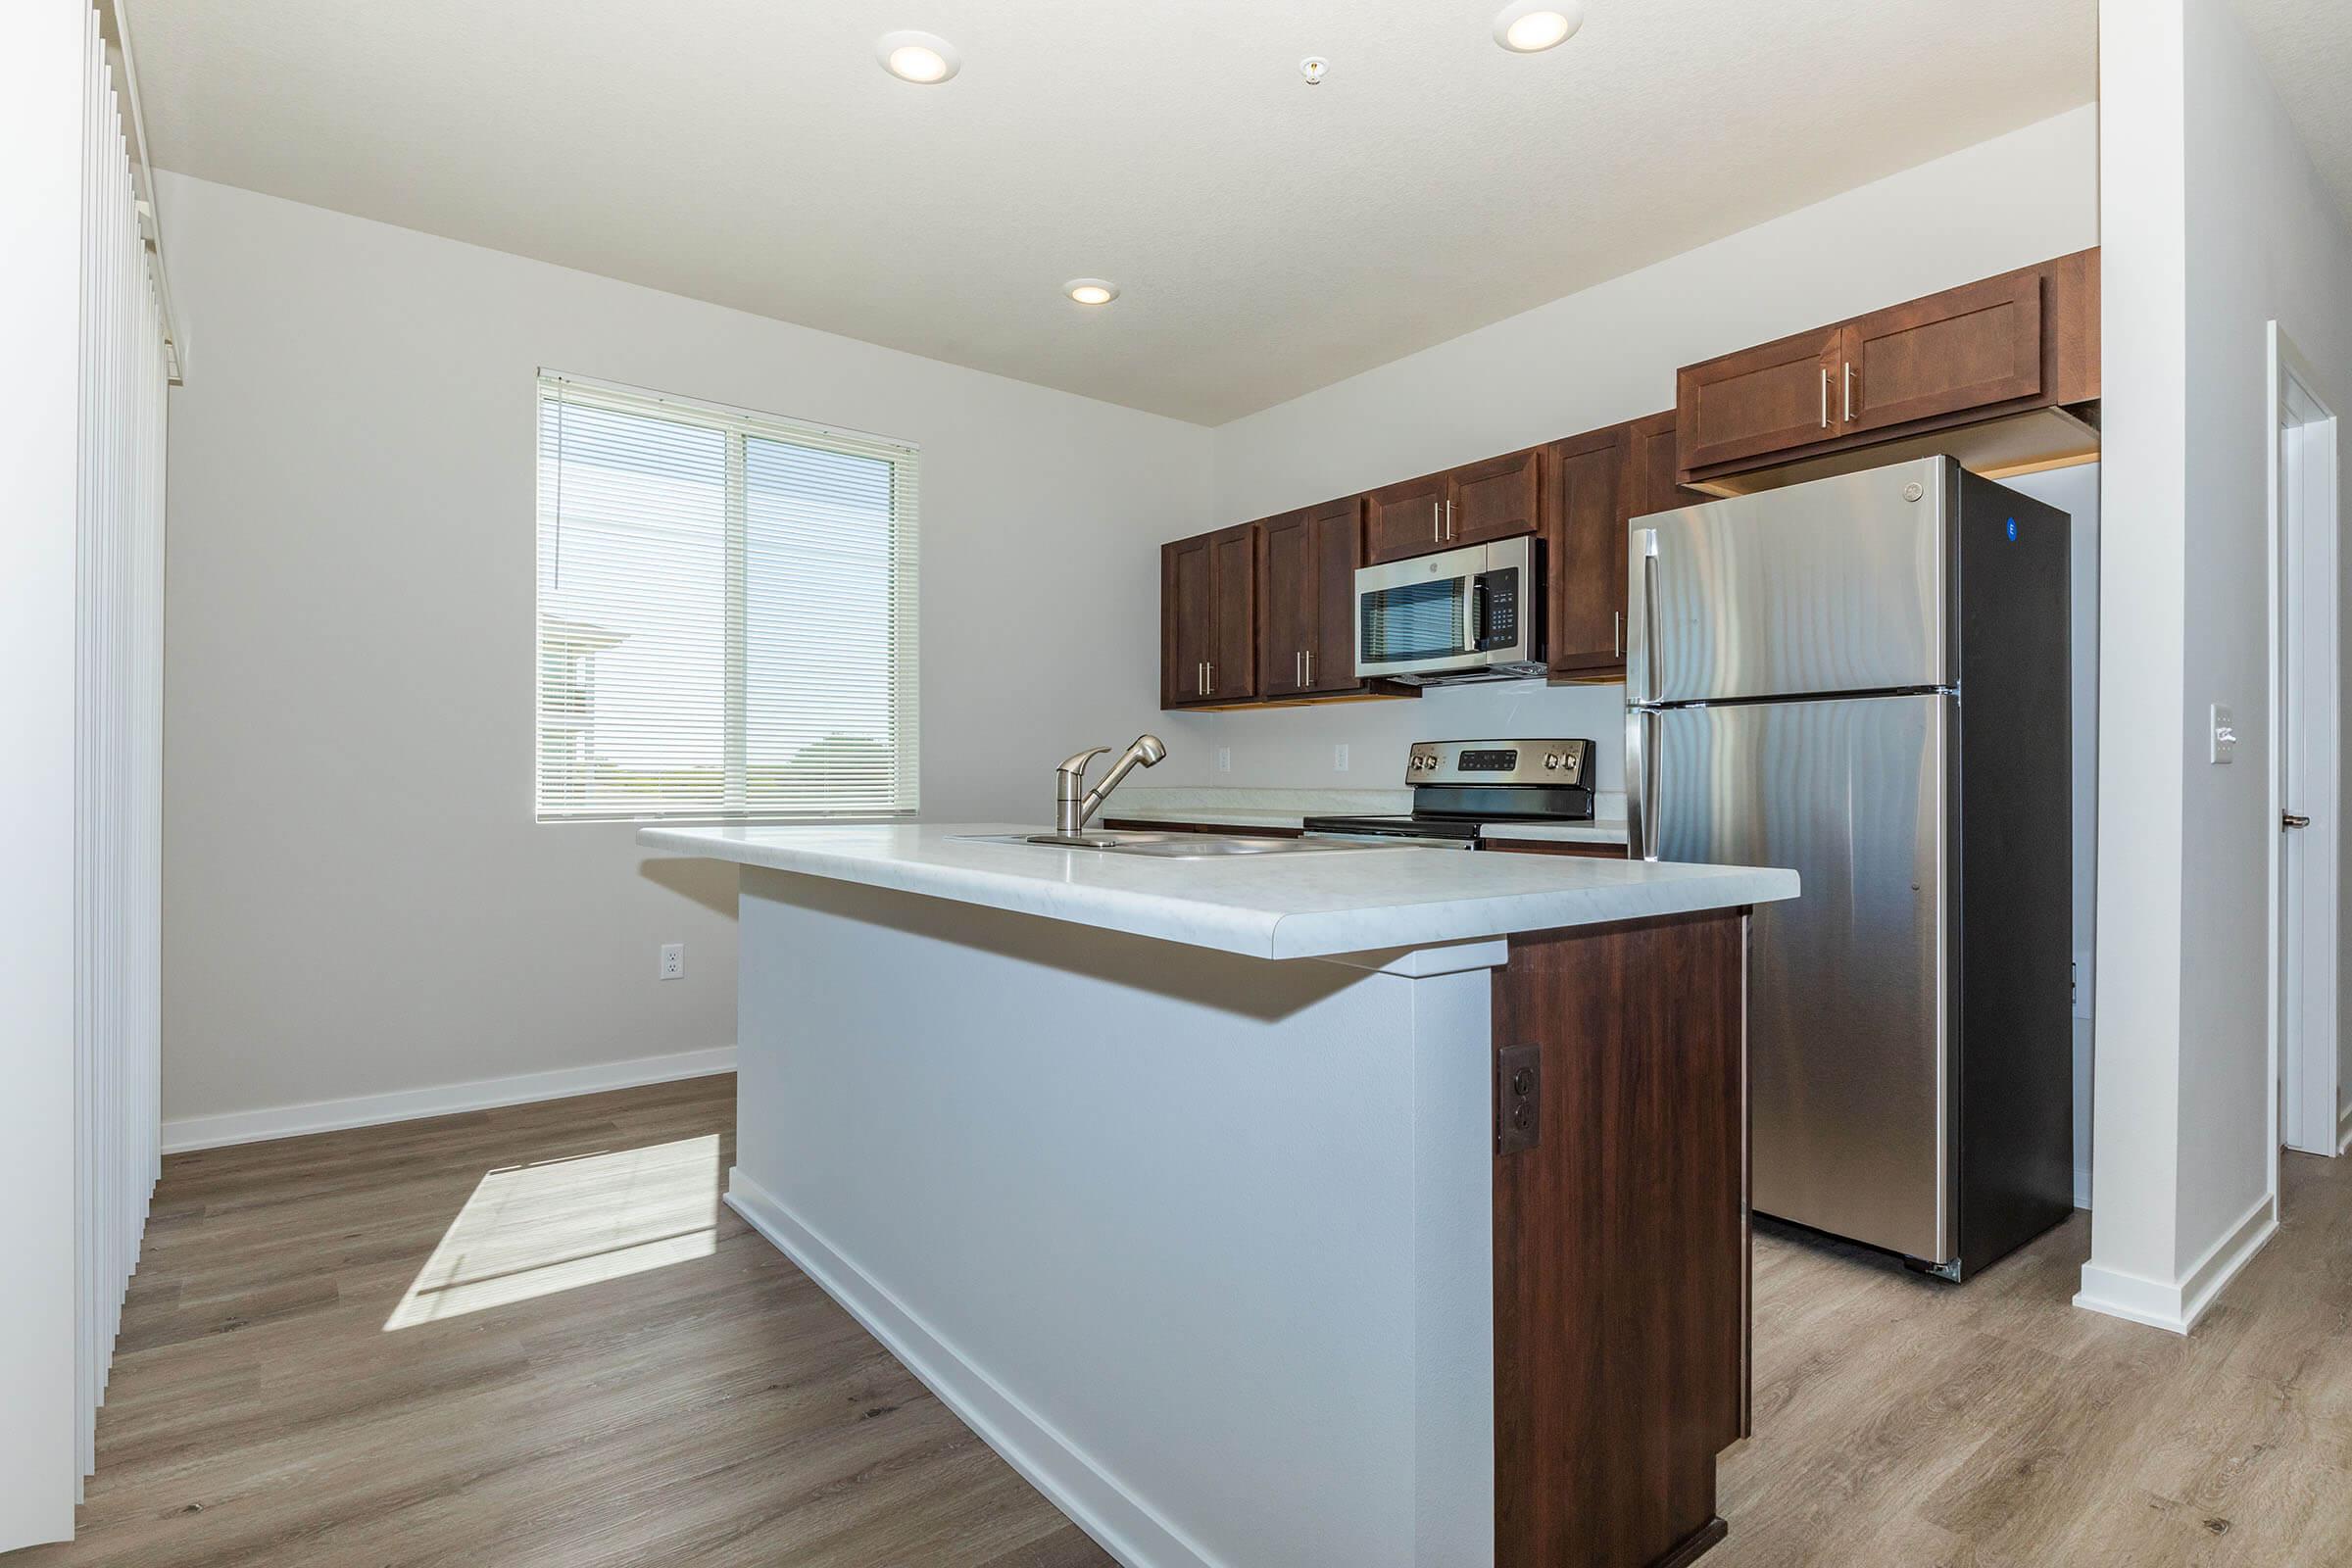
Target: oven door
1457	609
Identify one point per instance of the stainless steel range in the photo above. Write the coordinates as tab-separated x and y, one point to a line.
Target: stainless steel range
1458	785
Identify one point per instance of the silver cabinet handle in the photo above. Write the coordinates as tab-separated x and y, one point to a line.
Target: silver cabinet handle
1617	632
1310	668
1298	668
1825	397
1435	537
1849	391
1449	517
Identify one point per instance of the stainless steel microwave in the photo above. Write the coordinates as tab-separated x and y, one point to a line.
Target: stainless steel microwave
1457	615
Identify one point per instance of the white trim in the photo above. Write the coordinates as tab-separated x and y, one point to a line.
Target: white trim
2343	1132
1120	1522
441	1099
2176	1307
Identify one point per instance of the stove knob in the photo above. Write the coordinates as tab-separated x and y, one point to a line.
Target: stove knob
1553	760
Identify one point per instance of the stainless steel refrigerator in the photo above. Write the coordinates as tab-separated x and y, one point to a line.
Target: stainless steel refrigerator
1865	678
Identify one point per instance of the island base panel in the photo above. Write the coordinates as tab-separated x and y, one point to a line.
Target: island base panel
1621	1258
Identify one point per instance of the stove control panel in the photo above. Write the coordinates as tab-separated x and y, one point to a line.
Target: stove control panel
1554	761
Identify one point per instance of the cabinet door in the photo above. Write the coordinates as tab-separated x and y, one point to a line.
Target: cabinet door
1233	628
1289	600
1496	498
1966	348
1186	620
1653	454
1586	553
1764	399
1405	519
1337	550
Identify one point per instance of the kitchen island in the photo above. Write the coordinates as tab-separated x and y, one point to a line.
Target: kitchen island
1382	1206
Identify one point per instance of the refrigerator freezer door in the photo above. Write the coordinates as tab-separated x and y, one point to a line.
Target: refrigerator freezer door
1849	1026
1833	586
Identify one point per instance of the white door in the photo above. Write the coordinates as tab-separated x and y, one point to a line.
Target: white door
2304	767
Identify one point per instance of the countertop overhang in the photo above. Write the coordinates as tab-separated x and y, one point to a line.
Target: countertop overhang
1274	906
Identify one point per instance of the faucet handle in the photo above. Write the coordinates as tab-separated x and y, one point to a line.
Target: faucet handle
1075	763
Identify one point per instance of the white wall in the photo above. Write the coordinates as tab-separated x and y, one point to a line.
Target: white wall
2215	223
358	902
1589	360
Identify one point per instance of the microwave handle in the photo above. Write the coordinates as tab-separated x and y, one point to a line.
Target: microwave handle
1474	614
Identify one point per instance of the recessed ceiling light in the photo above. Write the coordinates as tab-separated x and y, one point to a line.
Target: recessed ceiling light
1091	291
1531	26
922	57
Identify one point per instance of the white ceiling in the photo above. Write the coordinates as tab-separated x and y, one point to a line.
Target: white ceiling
2307	47
1270	237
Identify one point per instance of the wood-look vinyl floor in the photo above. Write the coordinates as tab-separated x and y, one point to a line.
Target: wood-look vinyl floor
714	1407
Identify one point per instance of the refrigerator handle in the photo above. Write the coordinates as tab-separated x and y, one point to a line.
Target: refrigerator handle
1640	783
1640	679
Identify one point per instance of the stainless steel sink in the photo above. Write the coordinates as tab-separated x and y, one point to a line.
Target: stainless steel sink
1176	846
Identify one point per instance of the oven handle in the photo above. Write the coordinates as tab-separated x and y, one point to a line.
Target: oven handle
1408	840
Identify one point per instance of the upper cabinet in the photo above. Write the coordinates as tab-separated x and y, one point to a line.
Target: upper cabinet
1209	618
1764	399
1602	479
1306	565
1496	498
2002	374
2006	361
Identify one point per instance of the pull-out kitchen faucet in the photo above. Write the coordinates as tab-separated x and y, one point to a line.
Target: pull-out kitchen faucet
1074	802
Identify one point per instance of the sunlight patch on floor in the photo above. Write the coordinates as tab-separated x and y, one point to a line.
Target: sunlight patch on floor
533	1230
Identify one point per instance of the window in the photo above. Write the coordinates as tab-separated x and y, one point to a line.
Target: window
726	611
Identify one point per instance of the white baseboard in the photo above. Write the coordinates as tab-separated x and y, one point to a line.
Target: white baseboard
2176	1305
1118	1521
2343	1131
407	1104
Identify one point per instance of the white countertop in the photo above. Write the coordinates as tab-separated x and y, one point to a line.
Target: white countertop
1236	805
1271	906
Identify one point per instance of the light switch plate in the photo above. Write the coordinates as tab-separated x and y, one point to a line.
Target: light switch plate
1339	758
1224	758
2225	735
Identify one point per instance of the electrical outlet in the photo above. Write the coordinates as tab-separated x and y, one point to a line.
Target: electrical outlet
1339	758
1224	758
674	960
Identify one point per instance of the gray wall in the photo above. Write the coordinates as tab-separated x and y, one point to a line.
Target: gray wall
358	901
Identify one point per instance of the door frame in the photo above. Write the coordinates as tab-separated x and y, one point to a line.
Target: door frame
2305	771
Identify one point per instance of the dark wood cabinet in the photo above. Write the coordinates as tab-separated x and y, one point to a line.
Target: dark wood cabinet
1497	498
2002	358
1764	399
1586	553
1651	448
1306	563
1602	480
1405	519
1209	618
1962	348
1621	1240
1500	497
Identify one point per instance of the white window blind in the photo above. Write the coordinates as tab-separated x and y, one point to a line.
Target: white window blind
726	611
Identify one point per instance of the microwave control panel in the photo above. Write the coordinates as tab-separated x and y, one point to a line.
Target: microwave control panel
1497	597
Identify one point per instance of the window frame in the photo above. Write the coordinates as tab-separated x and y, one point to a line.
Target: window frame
903	594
